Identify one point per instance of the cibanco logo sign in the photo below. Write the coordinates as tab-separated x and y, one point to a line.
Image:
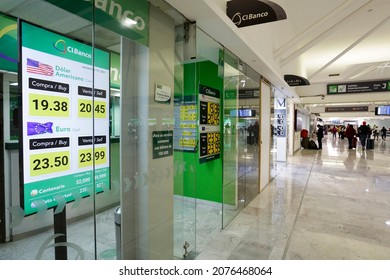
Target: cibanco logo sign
238	18
251	12
61	46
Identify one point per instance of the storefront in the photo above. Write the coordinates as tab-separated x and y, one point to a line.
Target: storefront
124	104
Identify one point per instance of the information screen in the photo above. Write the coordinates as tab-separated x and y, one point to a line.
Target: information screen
186	119
382	110
65	119
209	124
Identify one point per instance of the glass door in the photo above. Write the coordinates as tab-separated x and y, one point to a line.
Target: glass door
10	133
242	131
198	158
185	143
57	135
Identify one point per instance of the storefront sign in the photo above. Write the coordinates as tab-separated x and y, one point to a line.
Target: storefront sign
293	80
251	12
248	93
8	44
209	124
162	93
363	87
129	18
162	143
281	121
65	119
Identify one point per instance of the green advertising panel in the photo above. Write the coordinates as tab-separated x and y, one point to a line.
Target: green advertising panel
65	119
8	44
129	18
197	167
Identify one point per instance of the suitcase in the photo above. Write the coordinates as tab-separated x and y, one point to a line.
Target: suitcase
250	140
312	145
305	143
370	144
354	142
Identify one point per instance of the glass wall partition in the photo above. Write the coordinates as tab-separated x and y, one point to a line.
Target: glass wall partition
114	119
198	158
50	131
241	141
94	123
185	143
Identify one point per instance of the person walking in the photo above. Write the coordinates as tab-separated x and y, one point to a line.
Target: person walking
364	131
383	131
320	135
350	132
375	132
334	132
256	132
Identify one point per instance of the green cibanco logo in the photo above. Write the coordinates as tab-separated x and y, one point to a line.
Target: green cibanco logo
332	89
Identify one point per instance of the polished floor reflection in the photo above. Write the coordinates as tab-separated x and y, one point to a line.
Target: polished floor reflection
81	245
327	204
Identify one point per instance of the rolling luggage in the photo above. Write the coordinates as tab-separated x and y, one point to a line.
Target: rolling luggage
354	142
370	144
312	145
250	140
305	143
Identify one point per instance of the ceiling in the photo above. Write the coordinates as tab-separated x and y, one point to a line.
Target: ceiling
324	41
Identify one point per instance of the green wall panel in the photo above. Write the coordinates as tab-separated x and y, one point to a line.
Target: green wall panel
192	179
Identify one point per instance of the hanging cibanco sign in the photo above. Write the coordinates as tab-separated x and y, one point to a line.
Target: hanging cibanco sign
293	80
65	119
251	12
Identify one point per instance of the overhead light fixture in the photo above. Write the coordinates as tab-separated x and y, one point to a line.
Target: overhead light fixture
129	22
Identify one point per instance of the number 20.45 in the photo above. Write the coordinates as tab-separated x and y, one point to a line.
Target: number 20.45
87	109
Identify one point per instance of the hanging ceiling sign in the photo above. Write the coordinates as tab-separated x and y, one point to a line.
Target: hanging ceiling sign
346	109
251	12
370	86
293	80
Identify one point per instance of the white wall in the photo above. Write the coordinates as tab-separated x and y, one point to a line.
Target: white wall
265	137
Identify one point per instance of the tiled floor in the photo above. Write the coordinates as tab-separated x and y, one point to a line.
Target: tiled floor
327	204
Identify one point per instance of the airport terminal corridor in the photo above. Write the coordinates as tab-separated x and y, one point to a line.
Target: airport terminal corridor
328	204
